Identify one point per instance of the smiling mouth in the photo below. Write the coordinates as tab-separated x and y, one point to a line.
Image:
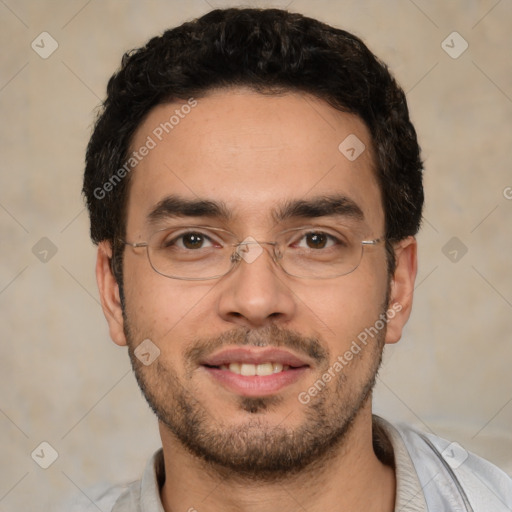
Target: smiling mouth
253	371
255	379
250	370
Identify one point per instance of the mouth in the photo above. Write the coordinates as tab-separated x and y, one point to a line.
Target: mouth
250	372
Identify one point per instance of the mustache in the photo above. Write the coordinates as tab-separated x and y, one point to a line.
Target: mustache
268	336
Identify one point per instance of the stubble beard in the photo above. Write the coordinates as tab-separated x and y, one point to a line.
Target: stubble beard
256	449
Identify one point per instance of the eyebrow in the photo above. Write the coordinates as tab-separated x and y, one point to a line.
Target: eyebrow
322	206
174	206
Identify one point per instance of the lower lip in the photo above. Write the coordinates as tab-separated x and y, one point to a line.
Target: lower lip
256	385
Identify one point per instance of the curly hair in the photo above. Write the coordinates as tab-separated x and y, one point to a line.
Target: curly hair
269	51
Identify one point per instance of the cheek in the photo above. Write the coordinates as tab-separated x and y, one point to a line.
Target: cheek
167	311
342	308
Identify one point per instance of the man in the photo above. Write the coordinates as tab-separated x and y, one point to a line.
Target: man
254	186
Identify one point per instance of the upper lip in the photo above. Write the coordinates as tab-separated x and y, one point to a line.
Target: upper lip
254	355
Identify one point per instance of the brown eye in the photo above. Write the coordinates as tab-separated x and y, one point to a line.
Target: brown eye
316	240
193	240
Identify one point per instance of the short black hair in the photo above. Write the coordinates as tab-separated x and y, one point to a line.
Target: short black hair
270	51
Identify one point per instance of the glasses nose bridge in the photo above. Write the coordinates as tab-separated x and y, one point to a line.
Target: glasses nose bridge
242	247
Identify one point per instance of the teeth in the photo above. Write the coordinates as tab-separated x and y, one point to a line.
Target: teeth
265	369
249	370
277	367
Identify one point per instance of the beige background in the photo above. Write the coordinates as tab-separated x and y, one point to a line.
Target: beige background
61	378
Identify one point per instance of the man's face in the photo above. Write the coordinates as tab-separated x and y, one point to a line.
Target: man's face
254	155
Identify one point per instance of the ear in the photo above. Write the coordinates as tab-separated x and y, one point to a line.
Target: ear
402	288
109	293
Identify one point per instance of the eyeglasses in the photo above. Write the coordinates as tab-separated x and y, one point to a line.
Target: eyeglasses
196	253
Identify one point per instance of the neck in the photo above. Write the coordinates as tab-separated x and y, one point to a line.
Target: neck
351	478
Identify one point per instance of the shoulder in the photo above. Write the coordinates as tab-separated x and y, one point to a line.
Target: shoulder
446	468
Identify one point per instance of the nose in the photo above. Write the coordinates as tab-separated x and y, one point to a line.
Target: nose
256	292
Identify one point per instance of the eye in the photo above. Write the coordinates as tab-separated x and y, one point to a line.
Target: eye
192	240
317	240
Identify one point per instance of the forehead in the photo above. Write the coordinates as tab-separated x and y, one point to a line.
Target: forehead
253	153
